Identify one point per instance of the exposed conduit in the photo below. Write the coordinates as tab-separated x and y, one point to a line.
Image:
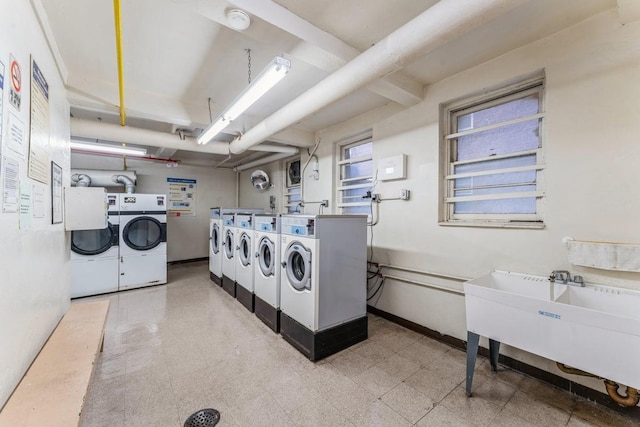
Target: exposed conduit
444	21
268	159
118	23
110	132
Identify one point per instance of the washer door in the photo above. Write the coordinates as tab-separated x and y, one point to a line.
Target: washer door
215	239
144	233
94	242
228	244
245	249
266	256
298	266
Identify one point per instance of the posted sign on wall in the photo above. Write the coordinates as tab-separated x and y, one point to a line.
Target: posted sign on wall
182	197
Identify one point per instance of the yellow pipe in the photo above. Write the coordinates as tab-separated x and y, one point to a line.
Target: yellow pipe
117	14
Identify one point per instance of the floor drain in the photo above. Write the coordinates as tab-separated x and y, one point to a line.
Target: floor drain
203	418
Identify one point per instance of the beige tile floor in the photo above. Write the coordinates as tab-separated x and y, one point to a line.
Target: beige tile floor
173	349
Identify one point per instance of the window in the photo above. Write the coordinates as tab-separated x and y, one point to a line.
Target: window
493	157
355	175
292	190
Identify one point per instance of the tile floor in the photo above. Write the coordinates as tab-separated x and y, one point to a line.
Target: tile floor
171	350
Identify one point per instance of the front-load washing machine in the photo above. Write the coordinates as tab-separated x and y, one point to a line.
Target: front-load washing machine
94	256
266	271
323	282
229	253
215	243
244	260
143	240
216	239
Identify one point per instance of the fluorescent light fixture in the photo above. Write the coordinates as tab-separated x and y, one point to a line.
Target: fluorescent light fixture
107	149
277	69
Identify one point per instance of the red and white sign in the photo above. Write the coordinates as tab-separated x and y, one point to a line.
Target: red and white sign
16	76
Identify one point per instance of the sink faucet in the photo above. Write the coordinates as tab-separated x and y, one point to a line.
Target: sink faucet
563	277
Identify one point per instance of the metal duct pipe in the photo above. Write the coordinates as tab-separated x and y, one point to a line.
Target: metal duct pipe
111	132
104	178
268	159
81	180
444	21
130	186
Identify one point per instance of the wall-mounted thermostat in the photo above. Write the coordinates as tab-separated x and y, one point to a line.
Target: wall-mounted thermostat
392	167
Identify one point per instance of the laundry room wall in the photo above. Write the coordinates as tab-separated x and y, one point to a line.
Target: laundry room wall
187	236
35	267
252	198
591	151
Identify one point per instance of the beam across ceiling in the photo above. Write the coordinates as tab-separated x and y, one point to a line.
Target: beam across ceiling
316	47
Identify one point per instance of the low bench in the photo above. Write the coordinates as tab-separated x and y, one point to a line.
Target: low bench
53	390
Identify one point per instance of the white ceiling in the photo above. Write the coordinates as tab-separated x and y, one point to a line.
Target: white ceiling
179	53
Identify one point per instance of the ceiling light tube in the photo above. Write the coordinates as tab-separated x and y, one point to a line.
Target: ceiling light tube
107	149
277	69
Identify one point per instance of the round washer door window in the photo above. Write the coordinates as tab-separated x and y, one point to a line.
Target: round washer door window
298	266
215	239
144	233
94	242
266	256
228	244
245	249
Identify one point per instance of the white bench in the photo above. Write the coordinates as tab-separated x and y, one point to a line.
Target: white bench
53	390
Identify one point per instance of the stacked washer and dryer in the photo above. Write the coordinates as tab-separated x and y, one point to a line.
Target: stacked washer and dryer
95	256
323	292
130	253
143	240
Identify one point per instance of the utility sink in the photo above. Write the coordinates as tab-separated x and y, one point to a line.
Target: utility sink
592	328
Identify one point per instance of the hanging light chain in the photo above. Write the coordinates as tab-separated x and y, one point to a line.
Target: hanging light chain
249	64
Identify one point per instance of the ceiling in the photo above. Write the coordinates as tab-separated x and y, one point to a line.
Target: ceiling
180	56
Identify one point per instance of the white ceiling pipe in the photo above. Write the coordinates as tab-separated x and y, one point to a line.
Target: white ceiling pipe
113	132
442	22
104	178
262	161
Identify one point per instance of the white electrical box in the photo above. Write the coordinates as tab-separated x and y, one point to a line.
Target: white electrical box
85	208
392	167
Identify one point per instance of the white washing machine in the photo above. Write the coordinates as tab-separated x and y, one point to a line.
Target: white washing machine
266	271
94	256
215	243
216	239
229	253
244	260
323	282
143	240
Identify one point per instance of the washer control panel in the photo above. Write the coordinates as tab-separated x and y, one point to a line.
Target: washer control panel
228	220
303	226
270	224
244	221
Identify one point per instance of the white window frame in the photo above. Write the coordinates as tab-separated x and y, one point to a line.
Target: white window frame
291	189
449	113
343	184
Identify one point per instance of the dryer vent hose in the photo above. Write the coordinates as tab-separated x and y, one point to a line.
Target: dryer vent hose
130	185
81	180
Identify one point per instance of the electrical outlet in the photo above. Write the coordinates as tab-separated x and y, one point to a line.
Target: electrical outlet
272	202
405	194
376	198
325	203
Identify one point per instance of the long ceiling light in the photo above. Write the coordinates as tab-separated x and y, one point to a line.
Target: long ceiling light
107	149
277	69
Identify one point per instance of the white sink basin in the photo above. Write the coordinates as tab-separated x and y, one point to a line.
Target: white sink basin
593	328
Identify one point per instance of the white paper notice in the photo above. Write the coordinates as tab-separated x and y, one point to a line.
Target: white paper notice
11	173
15	135
25	206
39	201
39	135
1	98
